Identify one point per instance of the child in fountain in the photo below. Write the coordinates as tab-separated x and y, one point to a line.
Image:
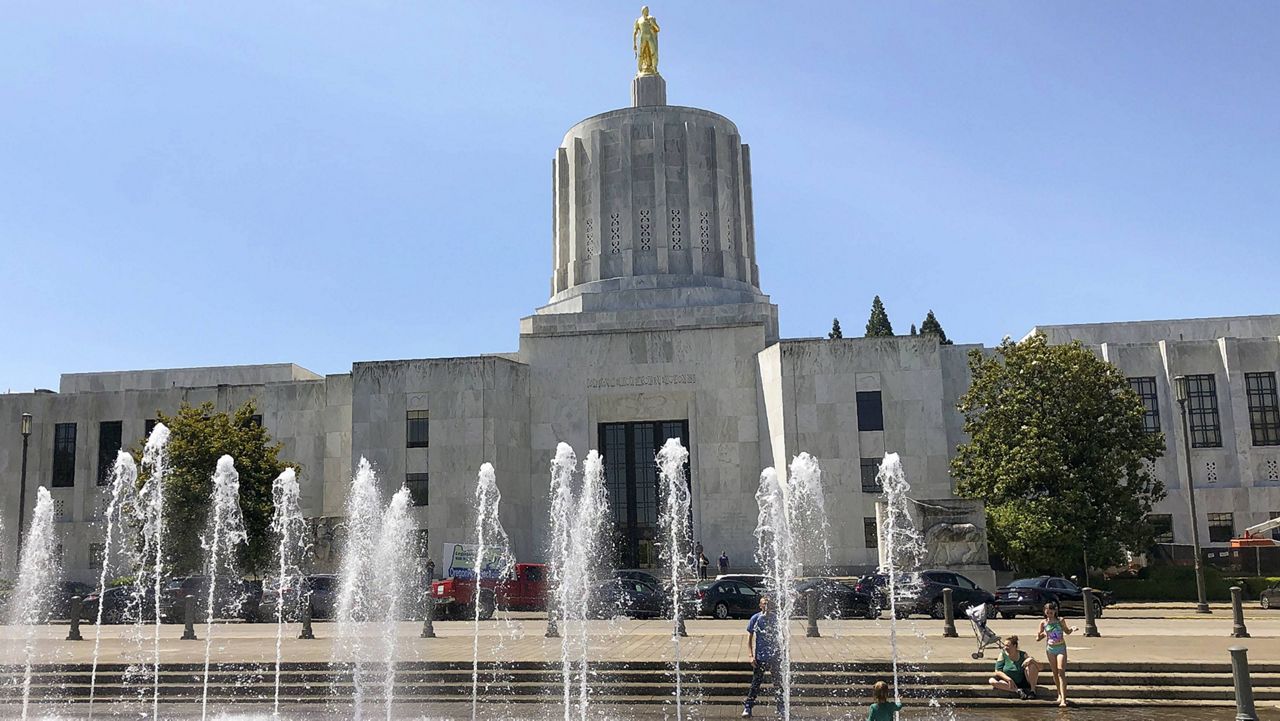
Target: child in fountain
882	709
1016	671
1053	630
762	643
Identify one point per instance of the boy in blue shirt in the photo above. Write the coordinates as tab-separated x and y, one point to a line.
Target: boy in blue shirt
762	643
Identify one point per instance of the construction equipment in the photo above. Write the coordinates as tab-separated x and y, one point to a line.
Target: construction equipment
1253	537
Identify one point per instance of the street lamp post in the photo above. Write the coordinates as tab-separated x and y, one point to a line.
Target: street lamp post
22	487
1180	391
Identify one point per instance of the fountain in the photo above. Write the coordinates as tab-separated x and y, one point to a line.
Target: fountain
575	557
38	571
390	571
790	529
119	516
901	548
223	536
674	520
489	535
371	579
150	510
289	528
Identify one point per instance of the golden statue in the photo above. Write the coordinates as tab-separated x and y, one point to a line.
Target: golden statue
644	41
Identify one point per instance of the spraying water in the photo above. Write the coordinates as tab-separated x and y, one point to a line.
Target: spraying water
674	521
224	534
576	551
901	548
38	569
490	536
390	569
562	467
586	553
150	509
289	528
791	529
124	481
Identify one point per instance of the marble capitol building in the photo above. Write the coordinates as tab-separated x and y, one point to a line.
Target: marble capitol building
657	325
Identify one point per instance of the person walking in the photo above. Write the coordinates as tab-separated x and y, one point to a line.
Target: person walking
1053	630
762	645
703	565
723	563
882	709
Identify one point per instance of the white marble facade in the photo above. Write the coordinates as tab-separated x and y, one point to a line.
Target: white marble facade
656	314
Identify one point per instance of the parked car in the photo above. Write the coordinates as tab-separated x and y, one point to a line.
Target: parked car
320	588
757	581
636	574
232	598
835	600
1270	596
526	590
628	597
1027	596
722	598
60	606
117	605
922	593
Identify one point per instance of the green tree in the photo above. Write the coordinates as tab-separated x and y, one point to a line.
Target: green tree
1058	454
835	329
931	326
198	436
913	329
878	324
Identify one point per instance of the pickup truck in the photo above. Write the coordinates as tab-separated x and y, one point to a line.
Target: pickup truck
525	590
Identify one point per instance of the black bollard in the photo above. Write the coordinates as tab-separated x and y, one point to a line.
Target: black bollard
553	631
307	634
428	618
1244	685
680	631
1237	609
77	605
948	615
811	598
1090	623
189	616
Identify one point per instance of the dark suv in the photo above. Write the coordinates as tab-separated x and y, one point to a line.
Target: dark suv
232	598
922	594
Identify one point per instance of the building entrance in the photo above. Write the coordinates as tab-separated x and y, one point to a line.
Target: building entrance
631	477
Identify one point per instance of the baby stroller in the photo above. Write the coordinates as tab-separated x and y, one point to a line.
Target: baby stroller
986	637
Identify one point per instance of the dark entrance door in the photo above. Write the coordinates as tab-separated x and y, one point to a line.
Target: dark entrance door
631	475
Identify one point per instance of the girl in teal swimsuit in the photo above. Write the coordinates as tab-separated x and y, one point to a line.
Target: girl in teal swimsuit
1054	632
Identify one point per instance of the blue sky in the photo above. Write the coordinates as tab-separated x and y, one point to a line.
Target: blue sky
240	182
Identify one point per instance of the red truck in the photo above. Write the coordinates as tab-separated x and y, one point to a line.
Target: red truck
525	590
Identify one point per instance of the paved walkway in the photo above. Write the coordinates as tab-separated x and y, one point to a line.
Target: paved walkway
1135	634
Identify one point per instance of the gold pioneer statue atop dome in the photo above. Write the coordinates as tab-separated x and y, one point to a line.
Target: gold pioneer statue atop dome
644	40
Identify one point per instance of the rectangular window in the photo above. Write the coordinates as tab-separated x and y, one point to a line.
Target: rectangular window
417	485
1202	411
870	533
96	552
1222	527
256	419
64	455
110	435
870	469
1145	387
870	411
1275	532
148	426
416	429
631	478
1264	409
1162	526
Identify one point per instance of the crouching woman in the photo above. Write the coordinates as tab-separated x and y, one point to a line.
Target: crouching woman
1015	672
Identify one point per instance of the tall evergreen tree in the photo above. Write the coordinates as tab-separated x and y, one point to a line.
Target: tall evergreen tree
835	329
913	329
878	325
931	326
